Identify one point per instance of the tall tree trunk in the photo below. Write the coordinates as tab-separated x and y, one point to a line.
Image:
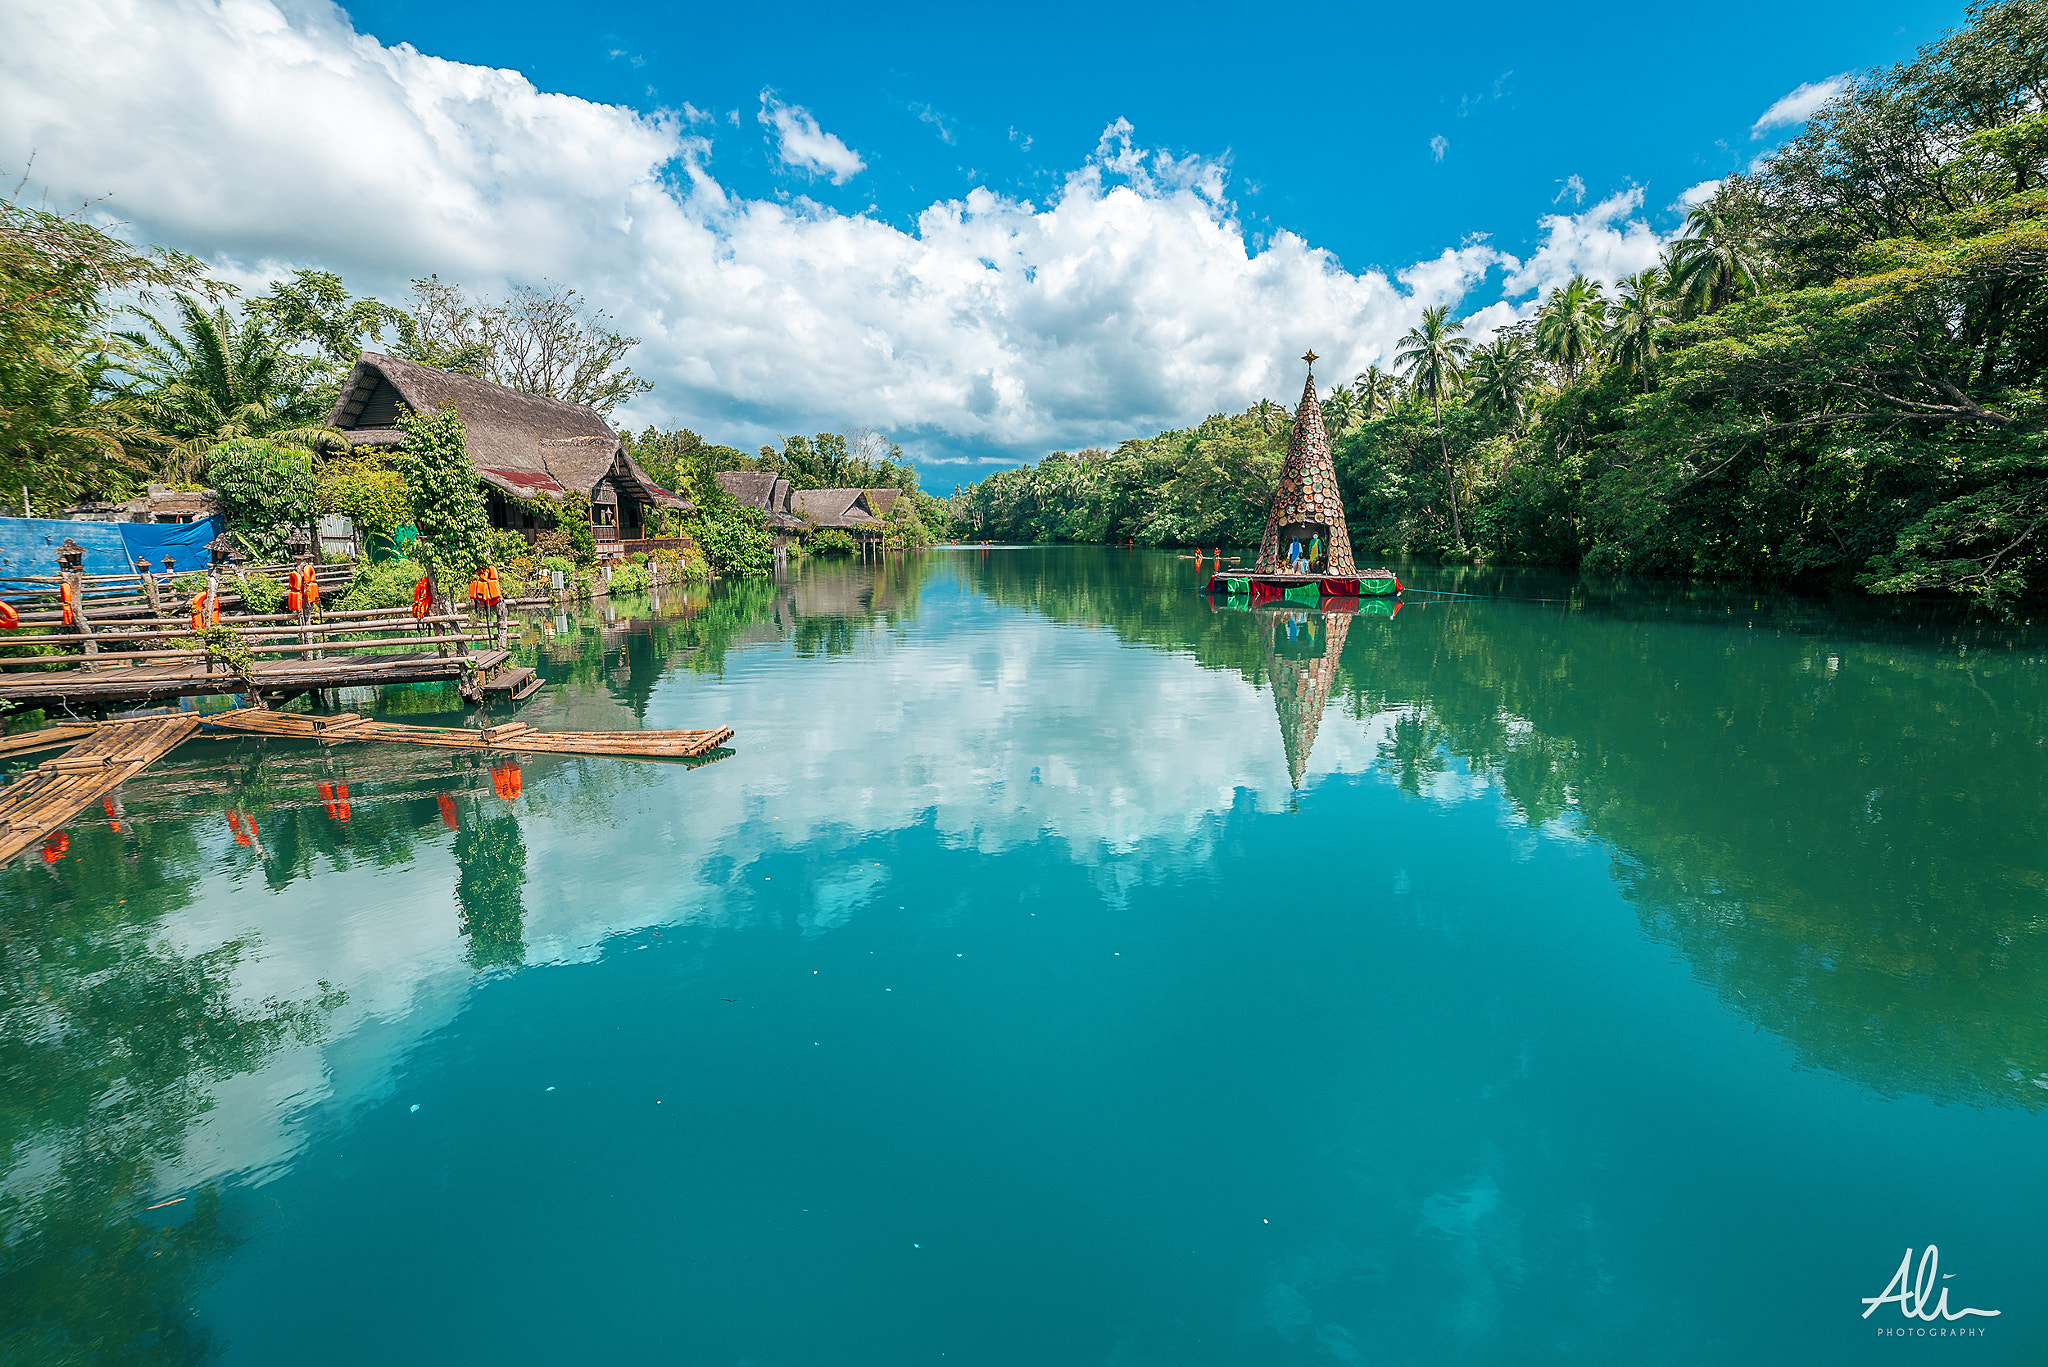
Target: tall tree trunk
1450	477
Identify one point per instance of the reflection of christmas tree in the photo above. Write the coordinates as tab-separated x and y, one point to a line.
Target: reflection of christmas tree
492	856
1302	649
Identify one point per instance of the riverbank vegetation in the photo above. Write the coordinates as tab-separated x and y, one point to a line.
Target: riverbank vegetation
122	366
1834	379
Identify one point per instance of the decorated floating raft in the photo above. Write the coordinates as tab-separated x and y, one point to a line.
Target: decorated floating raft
1305	554
1309	590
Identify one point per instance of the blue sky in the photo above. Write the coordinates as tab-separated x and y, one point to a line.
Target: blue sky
985	231
1326	112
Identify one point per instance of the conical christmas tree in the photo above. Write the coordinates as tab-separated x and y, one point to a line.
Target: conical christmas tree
1307	500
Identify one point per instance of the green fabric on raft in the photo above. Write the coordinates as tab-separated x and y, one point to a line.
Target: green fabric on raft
1304	593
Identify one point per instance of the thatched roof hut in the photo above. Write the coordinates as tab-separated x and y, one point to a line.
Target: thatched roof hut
764	491
853	510
524	447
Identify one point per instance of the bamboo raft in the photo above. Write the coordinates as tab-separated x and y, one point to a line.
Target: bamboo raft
41	801
512	735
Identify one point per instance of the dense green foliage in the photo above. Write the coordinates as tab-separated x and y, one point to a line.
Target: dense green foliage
70	427
454	531
266	492
1206	485
260	593
1835	379
386	584
376	498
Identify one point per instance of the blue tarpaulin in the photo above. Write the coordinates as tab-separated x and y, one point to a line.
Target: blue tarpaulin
28	545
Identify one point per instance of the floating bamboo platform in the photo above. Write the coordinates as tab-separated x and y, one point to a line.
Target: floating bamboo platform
42	800
145	683
513	735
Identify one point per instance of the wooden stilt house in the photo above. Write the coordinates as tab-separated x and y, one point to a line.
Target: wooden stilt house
527	450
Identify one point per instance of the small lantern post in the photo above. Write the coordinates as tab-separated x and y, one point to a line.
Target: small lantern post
71	592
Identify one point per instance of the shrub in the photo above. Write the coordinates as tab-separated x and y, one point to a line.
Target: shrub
559	562
629	578
736	540
507	546
555	544
831	541
386	585
375	499
261	594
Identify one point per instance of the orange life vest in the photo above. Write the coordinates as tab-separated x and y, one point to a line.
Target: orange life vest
422	599
68	596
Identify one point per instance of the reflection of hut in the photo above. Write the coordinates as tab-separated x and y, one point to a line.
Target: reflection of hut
1306	508
1302	649
528	451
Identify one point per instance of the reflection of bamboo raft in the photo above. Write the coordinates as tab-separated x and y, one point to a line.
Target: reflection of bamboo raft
42	800
511	736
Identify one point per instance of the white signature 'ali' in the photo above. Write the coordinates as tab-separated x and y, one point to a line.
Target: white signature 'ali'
1913	1290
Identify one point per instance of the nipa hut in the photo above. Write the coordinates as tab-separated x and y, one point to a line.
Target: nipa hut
527	450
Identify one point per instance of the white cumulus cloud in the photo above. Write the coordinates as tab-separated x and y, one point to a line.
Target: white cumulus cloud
1801	104
1606	242
801	143
1131	298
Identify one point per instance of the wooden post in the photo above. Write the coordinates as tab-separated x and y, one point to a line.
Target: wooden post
149	588
441	606
79	621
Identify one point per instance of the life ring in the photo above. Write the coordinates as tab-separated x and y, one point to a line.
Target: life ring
9	618
199	613
422	599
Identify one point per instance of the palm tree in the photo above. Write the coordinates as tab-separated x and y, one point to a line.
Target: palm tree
1502	379
1377	391
1644	306
211	379
1433	355
1269	414
1711	262
1570	325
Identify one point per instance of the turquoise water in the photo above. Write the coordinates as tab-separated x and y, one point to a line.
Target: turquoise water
1058	970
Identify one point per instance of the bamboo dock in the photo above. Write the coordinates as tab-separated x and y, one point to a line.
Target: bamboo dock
39	802
514	736
129	639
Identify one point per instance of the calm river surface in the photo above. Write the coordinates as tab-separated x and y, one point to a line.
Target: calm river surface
1059	970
